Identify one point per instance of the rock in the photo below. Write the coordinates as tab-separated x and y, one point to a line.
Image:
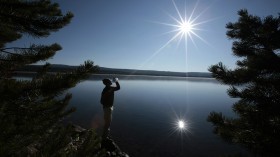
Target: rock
78	129
112	148
32	151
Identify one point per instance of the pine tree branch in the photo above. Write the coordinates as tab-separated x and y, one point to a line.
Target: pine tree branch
5	60
29	55
30	113
257	126
3	50
36	18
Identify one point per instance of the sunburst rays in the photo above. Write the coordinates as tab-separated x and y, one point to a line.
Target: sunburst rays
185	28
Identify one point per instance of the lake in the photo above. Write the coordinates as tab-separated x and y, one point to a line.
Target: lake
147	110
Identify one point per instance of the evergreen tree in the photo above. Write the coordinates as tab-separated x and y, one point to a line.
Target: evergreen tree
31	110
256	82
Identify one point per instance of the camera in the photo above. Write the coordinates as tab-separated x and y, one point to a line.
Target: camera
115	79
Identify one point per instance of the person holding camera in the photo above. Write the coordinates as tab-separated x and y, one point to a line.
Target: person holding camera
107	100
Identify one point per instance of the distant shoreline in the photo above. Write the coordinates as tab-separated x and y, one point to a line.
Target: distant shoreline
32	69
98	76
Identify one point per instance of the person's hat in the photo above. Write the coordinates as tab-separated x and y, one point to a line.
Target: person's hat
106	81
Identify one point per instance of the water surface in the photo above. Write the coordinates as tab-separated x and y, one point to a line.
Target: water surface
146	110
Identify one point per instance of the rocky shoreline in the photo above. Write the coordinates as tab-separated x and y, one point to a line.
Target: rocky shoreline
82	142
107	145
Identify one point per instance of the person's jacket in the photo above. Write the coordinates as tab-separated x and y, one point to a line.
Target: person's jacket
107	96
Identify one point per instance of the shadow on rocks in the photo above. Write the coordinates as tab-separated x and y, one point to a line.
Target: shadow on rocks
112	149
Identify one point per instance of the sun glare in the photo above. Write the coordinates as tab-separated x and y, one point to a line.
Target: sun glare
181	124
186	27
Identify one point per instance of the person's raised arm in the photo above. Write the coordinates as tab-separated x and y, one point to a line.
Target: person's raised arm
118	87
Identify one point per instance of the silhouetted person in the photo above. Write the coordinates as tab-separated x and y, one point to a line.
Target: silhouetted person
107	100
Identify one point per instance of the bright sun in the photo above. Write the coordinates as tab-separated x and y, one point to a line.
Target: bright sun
185	27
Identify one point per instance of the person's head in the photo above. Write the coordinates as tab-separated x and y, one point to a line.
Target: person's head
106	82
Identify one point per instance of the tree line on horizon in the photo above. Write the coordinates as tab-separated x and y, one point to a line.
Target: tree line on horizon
104	70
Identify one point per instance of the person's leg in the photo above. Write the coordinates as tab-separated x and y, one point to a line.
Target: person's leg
107	121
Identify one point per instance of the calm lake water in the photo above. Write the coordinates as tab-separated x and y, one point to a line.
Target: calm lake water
146	111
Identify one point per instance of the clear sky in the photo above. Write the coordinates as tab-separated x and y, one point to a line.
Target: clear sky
137	34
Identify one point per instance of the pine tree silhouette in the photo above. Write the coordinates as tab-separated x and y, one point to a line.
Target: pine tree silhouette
256	82
31	110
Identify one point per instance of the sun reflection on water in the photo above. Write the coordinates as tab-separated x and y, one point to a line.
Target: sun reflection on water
182	126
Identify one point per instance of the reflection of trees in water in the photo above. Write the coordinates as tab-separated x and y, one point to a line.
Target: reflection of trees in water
256	81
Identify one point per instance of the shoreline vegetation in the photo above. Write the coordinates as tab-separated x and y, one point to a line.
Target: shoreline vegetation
30	70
